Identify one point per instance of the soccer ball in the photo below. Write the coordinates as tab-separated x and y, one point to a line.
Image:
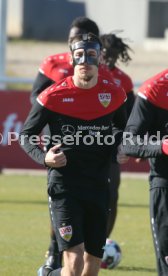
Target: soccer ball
112	255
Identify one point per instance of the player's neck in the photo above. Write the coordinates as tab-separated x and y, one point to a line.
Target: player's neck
83	83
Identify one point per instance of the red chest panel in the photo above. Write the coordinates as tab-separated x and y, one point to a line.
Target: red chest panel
156	90
86	104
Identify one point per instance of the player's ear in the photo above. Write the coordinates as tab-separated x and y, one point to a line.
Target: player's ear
71	58
101	60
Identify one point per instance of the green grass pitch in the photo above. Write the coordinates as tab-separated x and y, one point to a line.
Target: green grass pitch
24	227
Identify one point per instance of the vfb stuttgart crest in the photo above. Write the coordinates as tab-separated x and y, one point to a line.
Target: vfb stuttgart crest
105	99
66	232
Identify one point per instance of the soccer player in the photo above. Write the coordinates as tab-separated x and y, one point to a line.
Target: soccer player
114	49
146	136
52	70
86	113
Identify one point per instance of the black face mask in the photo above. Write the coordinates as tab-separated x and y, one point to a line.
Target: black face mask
85	58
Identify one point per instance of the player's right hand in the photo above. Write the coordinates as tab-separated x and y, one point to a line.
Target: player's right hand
55	158
122	158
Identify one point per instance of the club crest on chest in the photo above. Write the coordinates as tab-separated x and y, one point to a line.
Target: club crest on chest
104	98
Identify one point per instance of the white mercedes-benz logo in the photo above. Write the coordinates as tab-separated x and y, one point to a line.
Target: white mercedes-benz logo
68	130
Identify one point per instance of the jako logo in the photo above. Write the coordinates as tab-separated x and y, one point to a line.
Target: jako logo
68	100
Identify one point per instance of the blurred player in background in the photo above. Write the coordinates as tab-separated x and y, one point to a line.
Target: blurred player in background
146	136
114	49
78	173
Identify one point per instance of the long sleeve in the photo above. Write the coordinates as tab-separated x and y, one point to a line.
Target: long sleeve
29	136
141	122
119	123
41	82
130	102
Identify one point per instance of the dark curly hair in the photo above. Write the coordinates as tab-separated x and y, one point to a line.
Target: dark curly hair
86	24
114	49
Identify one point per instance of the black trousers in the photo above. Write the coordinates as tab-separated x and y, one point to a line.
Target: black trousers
78	219
113	196
159	226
